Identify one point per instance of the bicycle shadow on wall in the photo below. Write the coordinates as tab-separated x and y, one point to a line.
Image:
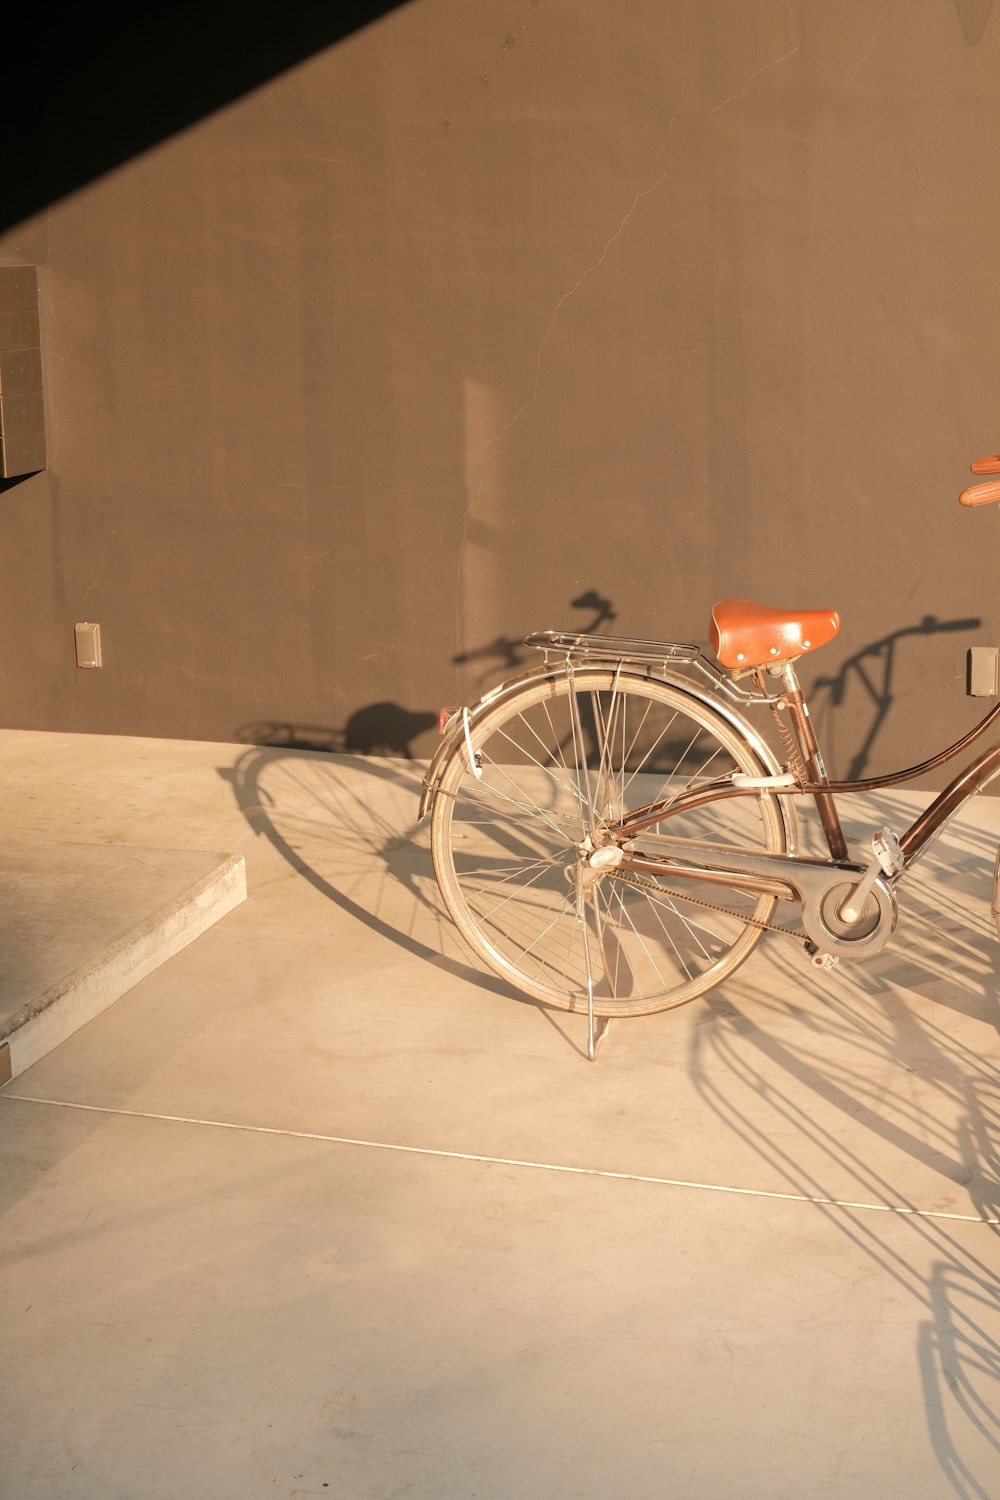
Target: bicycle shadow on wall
381	729
506	655
873	671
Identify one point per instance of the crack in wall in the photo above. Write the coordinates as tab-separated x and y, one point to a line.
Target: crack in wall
645	193
567	296
871	46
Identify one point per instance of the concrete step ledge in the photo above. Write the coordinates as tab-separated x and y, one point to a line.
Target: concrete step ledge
28	1032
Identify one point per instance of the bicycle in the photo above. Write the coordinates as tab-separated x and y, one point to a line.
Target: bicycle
611	833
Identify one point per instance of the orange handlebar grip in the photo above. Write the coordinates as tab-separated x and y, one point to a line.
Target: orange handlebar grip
986	465
981	494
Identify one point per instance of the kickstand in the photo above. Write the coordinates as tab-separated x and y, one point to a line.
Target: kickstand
596	1034
596	1025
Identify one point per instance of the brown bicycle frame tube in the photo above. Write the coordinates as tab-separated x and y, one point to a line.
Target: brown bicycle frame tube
964	786
930	822
825	804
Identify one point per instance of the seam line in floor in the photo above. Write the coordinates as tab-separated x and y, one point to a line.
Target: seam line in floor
901	1210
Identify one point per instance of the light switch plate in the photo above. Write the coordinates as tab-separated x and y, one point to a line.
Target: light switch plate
982	678
88	645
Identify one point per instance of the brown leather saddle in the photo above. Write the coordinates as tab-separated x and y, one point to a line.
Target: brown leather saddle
745	635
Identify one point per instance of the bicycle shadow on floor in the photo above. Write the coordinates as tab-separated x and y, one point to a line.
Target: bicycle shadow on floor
946	931
802	1094
849	1076
879	1083
347	825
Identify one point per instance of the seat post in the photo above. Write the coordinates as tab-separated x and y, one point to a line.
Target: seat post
827	808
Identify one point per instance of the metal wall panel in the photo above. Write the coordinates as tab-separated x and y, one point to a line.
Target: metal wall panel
22	410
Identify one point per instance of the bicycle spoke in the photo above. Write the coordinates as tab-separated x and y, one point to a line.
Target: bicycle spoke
653	747
568	786
558	740
521	869
513	894
618	946
579	754
560	916
692	926
523	807
614	984
603	736
642	944
546	770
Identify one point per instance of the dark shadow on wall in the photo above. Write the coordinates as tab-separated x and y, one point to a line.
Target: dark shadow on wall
85	91
377	729
873	670
508	652
388	729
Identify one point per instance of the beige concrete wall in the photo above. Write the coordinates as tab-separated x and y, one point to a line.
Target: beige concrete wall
491	307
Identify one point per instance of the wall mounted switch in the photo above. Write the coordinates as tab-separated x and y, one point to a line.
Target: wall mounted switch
88	645
982	672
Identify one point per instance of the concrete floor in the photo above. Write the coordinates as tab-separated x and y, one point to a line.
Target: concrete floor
83	923
318	1209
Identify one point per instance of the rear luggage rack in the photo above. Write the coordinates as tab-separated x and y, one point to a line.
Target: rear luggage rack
612	647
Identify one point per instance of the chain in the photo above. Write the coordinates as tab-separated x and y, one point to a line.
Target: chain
661	890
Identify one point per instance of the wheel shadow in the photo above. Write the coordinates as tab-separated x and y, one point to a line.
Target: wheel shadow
346	825
331	818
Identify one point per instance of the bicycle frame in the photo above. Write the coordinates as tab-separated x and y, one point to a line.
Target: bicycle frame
916	838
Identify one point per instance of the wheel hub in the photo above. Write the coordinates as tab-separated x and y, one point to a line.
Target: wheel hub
608	857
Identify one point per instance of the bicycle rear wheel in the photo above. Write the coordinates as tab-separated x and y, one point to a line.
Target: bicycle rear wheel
564	755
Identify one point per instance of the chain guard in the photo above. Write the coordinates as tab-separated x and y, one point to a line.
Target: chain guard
666	891
830	936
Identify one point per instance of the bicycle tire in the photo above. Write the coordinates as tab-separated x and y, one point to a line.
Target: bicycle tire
502	841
